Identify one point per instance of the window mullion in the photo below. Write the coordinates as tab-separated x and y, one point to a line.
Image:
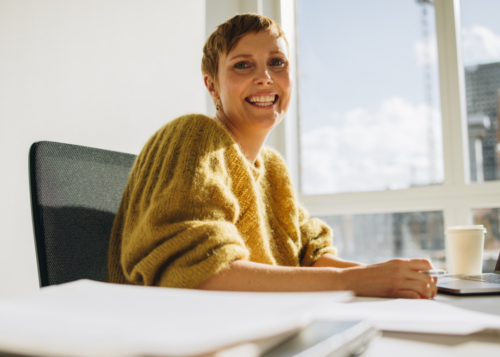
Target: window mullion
452	90
287	132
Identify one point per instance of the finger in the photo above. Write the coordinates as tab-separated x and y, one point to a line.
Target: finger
413	275
407	294
423	288
420	264
434	288
422	284
429	281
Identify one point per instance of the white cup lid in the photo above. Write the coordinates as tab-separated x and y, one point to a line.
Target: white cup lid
466	228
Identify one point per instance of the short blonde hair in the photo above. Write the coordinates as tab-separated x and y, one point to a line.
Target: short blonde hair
227	35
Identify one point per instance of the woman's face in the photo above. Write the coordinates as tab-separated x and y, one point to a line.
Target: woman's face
255	82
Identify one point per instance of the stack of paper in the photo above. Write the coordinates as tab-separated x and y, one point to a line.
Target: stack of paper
87	318
419	316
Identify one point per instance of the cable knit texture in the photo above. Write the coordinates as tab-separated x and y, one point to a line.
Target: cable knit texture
193	204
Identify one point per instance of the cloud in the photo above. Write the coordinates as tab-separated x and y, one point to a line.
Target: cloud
368	151
480	45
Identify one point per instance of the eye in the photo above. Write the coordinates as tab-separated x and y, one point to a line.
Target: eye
242	65
277	62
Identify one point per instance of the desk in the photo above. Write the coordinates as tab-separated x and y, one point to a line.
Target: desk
419	345
489	304
393	344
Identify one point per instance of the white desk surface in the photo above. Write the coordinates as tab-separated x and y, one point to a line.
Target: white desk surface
424	345
397	344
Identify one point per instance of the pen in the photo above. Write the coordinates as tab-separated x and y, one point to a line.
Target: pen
433	272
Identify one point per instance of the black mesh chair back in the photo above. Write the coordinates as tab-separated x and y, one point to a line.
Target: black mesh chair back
75	194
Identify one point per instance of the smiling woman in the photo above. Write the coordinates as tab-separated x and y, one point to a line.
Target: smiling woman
252	83
207	206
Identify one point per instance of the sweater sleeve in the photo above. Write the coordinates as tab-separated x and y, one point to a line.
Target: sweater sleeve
316	238
180	222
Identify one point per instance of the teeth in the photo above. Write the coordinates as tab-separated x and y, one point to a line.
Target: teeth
264	99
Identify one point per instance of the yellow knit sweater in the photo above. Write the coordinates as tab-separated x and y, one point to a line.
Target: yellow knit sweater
193	204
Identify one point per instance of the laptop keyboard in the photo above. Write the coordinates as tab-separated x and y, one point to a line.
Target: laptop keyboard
487	278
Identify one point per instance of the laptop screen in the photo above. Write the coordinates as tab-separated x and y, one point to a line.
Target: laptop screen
497	268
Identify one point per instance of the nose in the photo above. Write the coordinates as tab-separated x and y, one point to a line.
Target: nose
263	77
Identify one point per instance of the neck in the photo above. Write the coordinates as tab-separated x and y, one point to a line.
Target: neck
250	141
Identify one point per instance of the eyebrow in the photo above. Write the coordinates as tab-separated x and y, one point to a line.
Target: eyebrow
248	56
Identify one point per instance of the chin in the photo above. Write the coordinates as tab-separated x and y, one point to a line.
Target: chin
267	123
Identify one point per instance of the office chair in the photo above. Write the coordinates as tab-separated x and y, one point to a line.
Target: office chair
75	194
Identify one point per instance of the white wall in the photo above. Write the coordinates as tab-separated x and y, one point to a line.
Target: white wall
101	73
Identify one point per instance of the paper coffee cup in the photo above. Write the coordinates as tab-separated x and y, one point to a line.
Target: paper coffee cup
464	249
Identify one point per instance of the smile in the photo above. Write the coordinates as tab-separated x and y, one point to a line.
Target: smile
262	100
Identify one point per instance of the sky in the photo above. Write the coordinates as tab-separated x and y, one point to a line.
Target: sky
480	31
365	123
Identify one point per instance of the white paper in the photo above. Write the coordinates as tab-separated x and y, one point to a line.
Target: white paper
420	316
87	318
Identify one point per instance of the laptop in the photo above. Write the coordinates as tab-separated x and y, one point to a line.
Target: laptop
471	284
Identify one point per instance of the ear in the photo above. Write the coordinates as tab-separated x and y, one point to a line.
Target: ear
212	88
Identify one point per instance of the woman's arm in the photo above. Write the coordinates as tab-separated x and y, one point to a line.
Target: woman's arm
330	260
396	278
249	276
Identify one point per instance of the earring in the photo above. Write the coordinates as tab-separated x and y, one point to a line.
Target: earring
217	106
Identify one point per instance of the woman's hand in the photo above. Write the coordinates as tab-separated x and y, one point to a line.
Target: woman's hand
397	278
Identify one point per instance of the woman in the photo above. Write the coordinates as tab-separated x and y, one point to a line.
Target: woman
208	207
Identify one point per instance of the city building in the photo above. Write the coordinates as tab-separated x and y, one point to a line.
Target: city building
482	94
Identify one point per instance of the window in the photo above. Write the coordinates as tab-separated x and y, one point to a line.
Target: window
490	219
370	238
400	71
481	58
369	96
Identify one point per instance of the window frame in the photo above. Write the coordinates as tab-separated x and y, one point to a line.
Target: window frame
457	196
